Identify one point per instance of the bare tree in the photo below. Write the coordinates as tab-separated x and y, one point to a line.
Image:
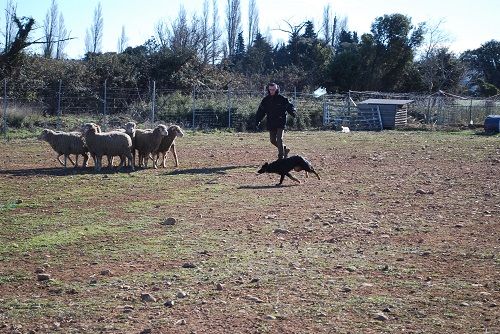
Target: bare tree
253	21
233	24
93	37
431	56
50	30
204	33
339	25
327	28
10	26
215	34
63	38
122	41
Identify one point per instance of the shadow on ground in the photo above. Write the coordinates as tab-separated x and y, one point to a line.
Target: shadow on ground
206	171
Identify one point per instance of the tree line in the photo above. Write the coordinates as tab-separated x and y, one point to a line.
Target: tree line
397	55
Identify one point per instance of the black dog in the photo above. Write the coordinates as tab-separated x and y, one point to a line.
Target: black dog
284	166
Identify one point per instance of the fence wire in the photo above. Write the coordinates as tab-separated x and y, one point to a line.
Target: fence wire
203	108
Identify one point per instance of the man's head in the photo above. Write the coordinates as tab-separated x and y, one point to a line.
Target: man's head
273	88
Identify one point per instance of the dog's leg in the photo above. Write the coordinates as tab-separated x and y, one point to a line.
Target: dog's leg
292	177
281	180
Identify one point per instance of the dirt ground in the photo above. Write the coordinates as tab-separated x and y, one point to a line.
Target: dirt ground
400	235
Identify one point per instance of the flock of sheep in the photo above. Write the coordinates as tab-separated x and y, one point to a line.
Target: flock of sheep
123	143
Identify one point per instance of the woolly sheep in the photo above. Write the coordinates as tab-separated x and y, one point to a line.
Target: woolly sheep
113	143
147	141
129	130
168	143
66	143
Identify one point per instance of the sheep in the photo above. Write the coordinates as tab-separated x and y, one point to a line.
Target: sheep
66	143
168	143
107	143
147	141
129	130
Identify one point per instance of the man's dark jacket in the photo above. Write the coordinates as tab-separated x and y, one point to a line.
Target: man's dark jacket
275	108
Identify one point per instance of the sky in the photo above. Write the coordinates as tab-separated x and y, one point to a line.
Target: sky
468	23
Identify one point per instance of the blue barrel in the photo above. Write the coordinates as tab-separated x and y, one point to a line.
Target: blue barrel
492	123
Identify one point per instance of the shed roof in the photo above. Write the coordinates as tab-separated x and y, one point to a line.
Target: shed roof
386	101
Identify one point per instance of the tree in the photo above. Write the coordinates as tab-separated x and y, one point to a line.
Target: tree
233	24
93	37
10	26
259	58
435	43
215	34
485	61
122	41
50	28
253	21
389	51
63	38
11	56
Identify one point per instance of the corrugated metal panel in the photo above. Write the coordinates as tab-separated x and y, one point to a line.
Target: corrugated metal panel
386	102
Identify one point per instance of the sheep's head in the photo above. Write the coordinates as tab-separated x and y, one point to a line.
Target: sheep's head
162	129
130	127
43	135
90	127
176	130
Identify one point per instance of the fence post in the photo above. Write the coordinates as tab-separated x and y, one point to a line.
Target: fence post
59	106
104	106
4	128
194	104
153	104
471	122
229	106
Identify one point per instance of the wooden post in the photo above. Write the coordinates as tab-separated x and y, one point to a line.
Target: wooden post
59	106
194	104
104	105
229	106
4	128
153	100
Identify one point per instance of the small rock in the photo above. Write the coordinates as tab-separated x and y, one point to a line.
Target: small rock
146	331
464	304
128	308
188	265
380	317
169	303
169	221
43	277
254	280
270	317
93	281
385	268
351	269
346	289
39	270
19	201
180	322
255	299
147	298
387	310
459	225
106	272
181	294
281	231
219	287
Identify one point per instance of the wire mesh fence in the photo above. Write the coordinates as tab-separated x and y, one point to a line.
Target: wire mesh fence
203	108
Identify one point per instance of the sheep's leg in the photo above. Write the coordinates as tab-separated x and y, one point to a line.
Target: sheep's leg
72	162
110	161
98	163
121	162
163	159
130	161
59	159
85	160
76	161
174	152
65	159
